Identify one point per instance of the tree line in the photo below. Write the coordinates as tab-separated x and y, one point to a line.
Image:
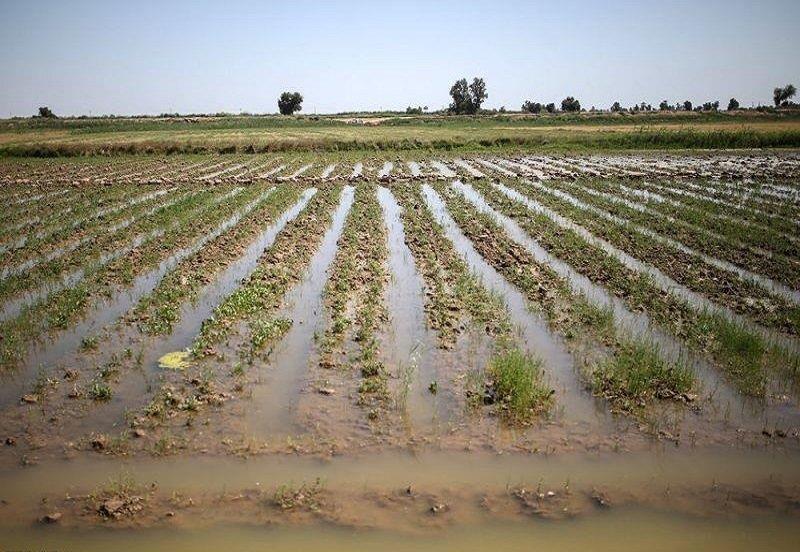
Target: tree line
467	99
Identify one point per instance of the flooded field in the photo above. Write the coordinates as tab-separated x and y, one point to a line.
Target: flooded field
334	351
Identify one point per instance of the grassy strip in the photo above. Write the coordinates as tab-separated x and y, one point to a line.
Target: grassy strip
778	268
744	355
722	286
467	136
357	278
92	251
157	312
756	236
512	379
278	270
572	314
60	309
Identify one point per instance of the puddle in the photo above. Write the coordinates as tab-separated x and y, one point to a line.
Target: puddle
358	169
411	345
328	171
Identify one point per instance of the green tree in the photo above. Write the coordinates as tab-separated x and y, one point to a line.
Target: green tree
531	107
289	102
782	95
45	113
733	104
570	104
467	98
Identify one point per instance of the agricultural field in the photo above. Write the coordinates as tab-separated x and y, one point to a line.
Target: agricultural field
400	342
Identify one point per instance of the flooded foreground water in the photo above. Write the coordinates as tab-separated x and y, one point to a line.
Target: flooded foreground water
662	500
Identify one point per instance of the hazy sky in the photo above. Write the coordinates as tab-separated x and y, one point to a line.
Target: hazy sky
82	57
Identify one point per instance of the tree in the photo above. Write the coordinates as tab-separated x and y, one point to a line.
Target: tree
615	107
477	93
531	107
414	110
45	113
687	105
550	108
733	104
570	104
467	99
289	102
664	105
782	95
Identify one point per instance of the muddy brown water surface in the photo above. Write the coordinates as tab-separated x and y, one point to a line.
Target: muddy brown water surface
280	465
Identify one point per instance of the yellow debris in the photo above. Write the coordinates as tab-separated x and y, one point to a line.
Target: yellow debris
177	360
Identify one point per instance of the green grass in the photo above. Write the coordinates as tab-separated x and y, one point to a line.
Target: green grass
517	381
638	374
562	132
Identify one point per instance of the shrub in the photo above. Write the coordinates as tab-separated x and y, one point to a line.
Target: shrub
45	113
733	104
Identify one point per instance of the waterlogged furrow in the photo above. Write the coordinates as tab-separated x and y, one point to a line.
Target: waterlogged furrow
354	297
278	270
723	208
634	374
743	296
583	212
157	312
513	379
453	294
775	267
734	232
46	245
93	251
744	355
61	308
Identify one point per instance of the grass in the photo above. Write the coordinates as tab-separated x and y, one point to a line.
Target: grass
563	132
637	374
516	378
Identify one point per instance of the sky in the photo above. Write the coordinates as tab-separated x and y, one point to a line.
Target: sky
148	57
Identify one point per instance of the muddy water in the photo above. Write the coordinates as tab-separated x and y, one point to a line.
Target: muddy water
411	345
618	531
275	395
726	400
358	169
328	171
576	405
472	528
